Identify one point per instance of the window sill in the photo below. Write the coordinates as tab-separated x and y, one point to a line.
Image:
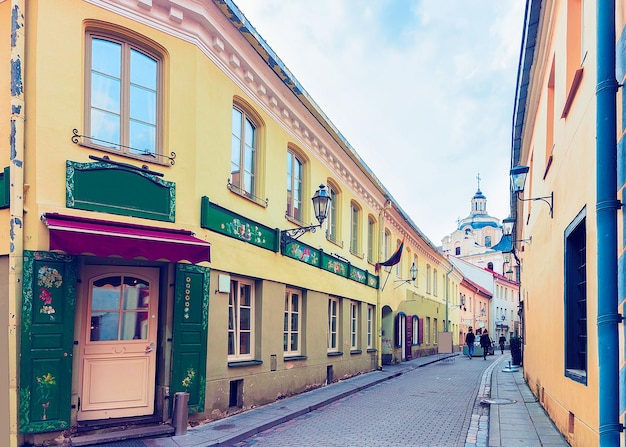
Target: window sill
578	76
246	195
295	221
244	363
360	256
334	354
371	350
333	241
142	158
355	352
294	358
577	375
548	164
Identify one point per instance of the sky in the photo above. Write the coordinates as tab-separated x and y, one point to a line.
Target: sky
423	91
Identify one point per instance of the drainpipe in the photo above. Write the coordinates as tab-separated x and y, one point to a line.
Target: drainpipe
447	287
379	292
606	220
16	210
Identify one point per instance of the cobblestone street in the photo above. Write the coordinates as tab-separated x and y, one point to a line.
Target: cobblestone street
429	406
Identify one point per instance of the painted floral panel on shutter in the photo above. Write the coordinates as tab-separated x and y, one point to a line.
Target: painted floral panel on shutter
190	331
48	302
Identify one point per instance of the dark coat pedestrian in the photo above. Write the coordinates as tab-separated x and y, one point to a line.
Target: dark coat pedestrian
485	343
469	341
502	341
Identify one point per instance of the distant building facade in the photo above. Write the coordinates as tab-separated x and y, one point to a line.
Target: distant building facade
477	236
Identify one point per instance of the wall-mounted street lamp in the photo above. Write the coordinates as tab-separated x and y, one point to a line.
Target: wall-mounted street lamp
321	202
507	229
413	272
518	181
460	306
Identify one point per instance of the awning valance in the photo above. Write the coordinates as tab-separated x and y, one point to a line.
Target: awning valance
80	235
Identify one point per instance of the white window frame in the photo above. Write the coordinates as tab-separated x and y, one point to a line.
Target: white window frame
235	320
123	146
370	326
240	182
354	325
288	322
355	233
333	325
295	186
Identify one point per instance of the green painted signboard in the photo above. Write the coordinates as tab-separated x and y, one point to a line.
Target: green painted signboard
190	332
316	257
48	302
115	189
228	223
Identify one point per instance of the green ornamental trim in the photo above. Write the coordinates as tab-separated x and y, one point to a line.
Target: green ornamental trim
104	187
302	252
231	224
316	257
5	186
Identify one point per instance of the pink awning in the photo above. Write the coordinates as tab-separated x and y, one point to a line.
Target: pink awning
80	235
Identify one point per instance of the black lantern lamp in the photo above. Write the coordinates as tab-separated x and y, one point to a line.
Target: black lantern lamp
507	228
412	272
321	201
518	181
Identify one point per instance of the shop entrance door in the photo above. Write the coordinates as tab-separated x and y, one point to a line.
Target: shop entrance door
118	344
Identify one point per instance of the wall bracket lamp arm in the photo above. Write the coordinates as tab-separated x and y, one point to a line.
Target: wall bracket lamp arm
547	199
518	181
321	203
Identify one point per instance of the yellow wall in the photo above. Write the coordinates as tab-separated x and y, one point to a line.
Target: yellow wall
570	177
199	88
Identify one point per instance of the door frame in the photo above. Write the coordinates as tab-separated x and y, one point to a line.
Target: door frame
160	272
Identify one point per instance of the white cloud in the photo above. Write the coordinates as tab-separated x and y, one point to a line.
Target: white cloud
432	83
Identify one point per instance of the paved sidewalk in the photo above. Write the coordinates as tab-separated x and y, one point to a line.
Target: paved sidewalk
522	423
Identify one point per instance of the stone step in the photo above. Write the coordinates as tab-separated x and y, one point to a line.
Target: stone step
153	431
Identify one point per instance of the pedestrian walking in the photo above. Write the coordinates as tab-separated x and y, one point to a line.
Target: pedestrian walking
485	342
502	341
470	338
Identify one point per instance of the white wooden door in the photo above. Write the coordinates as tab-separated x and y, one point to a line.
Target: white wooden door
118	346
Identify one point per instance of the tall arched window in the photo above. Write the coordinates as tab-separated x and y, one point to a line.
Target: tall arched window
124	88
295	176
244	148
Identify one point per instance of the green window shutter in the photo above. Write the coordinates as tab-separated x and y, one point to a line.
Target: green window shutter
189	337
48	302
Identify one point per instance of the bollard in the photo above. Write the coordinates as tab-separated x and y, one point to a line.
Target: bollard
180	414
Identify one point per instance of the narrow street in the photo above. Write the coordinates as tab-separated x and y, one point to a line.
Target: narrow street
429	406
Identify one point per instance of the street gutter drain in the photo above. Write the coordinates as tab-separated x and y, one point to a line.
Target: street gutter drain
497	401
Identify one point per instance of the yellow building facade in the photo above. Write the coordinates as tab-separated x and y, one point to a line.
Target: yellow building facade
144	207
568	230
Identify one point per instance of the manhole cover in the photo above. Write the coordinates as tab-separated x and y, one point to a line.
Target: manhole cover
497	401
224	427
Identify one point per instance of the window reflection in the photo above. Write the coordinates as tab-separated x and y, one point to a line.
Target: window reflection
119	308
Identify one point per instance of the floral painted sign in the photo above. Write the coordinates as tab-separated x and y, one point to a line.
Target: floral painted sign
358	275
334	265
224	221
303	253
